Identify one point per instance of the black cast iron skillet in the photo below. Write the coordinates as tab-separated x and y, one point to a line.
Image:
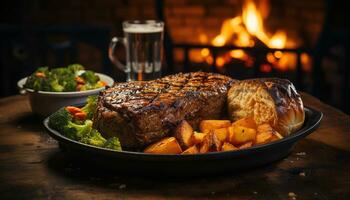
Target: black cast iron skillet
197	164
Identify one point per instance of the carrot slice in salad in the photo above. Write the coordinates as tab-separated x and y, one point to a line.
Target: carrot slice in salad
102	83
80	115
79	80
40	75
79	86
73	110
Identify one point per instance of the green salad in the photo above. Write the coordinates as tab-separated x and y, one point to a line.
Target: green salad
64	79
76	124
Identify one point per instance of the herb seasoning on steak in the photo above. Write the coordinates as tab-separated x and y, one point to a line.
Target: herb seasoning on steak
143	112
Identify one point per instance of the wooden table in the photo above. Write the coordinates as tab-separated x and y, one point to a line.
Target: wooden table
33	167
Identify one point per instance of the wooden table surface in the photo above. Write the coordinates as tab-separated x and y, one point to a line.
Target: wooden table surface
33	167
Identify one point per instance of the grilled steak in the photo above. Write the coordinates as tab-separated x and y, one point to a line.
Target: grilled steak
140	113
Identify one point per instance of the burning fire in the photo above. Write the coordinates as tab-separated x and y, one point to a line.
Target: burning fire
253	21
246	31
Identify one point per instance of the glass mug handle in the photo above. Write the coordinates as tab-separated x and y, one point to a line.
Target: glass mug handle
111	52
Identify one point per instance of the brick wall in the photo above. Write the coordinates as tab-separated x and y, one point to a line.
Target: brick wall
91	12
186	19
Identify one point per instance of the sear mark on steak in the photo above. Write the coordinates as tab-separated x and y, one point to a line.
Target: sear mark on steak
142	112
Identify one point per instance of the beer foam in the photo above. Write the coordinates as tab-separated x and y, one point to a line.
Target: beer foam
142	29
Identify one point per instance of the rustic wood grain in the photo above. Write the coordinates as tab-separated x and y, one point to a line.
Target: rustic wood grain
33	167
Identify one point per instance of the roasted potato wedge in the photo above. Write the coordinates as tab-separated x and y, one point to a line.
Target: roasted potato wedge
215	143
167	145
239	135
210	143
183	134
264	128
248	122
206	125
197	137
228	147
265	133
204	145
221	134
246	145
191	150
263	137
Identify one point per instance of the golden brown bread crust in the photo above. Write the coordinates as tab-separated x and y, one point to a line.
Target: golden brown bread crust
268	100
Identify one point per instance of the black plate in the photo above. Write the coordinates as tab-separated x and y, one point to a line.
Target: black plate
208	163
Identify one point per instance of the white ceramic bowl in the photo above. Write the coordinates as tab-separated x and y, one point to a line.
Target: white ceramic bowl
45	103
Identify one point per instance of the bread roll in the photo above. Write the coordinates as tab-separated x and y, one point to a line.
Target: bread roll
268	100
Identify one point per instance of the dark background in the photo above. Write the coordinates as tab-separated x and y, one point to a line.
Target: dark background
55	33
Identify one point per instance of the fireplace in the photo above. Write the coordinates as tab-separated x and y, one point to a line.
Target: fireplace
244	39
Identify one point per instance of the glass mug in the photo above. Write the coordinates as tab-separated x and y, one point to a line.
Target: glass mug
144	43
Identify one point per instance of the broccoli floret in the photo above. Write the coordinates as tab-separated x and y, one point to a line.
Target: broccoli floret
33	82
62	122
55	86
90	107
113	143
70	85
94	138
45	84
41	82
65	78
77	131
87	86
90	77
60	71
60	119
75	68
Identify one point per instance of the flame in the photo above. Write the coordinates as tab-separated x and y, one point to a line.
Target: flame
253	21
238	54
278	40
209	60
271	58
229	27
278	54
205	52
220	62
246	31
219	41
244	40
287	61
